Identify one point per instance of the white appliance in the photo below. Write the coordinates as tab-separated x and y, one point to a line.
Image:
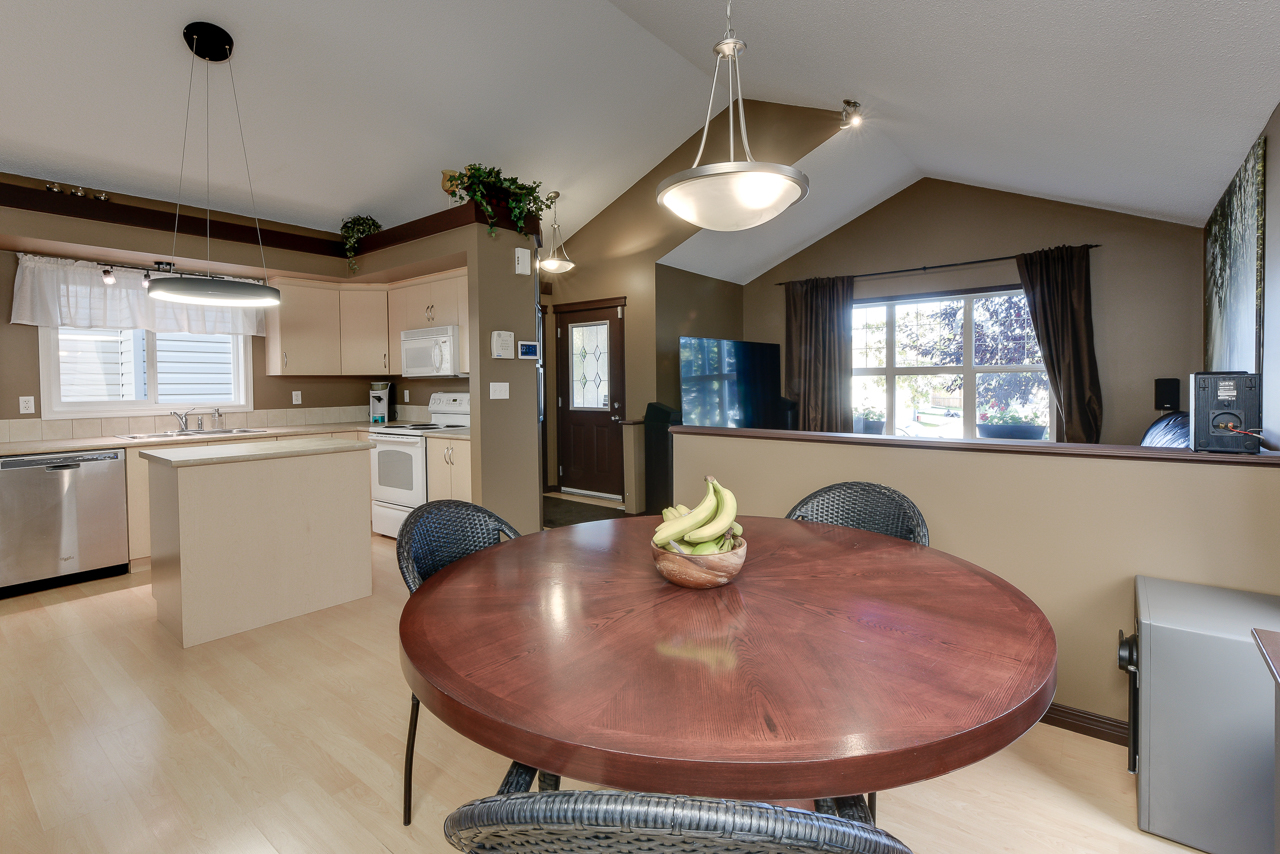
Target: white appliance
431	352
399	470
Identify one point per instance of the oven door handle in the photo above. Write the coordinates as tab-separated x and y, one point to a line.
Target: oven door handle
395	440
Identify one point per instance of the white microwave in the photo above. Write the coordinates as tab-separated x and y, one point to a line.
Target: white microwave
429	352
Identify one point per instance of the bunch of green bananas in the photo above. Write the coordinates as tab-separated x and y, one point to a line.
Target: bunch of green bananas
707	529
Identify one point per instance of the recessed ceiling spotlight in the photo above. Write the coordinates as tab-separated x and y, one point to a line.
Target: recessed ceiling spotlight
851	115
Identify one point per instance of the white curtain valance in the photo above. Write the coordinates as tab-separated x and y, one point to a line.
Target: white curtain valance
57	292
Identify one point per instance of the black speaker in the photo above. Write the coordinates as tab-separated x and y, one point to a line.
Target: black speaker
1168	394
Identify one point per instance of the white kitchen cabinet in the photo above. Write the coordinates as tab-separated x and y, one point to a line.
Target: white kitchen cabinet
448	469
442	302
304	332
363	321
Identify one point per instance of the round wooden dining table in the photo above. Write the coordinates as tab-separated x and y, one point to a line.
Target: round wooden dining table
838	662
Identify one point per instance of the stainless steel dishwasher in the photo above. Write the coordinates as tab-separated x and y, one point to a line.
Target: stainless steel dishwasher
61	514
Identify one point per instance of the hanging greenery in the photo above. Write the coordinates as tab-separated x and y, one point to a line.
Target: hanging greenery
486	185
354	228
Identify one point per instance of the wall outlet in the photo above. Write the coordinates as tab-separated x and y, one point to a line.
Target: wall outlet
26	406
499	391
406	395
297	398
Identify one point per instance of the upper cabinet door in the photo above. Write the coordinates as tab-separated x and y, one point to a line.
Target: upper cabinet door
444	303
364	333
406	309
304	332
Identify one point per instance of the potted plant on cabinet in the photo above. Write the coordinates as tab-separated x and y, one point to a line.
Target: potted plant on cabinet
487	187
1005	422
868	419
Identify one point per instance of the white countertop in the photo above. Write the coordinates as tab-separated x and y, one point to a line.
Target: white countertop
243	452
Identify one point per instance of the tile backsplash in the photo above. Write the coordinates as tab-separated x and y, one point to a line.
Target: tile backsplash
35	430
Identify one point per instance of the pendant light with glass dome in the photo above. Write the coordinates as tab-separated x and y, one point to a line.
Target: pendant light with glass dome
553	263
213	44
735	194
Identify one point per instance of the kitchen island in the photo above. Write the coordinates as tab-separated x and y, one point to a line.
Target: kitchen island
244	535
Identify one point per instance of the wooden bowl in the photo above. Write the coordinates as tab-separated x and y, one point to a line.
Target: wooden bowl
700	571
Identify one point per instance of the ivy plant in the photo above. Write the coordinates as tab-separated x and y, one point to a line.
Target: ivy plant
486	185
354	228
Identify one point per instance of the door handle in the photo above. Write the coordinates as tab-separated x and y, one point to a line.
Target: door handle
614	418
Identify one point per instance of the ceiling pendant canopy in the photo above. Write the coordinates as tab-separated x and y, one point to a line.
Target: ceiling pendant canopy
213	44
735	194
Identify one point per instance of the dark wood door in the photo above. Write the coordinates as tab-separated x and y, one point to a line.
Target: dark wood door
590	396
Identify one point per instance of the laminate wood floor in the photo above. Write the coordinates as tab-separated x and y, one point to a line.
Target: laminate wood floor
289	739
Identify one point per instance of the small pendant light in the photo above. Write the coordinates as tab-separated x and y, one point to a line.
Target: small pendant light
213	44
736	194
552	263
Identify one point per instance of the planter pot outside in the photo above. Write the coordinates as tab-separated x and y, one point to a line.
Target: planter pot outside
863	426
1011	431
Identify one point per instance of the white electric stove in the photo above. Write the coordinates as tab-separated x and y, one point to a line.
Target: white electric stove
399	471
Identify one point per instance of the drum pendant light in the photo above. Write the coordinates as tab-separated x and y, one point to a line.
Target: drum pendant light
213	44
735	194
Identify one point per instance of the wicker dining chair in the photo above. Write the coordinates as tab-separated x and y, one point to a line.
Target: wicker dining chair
866	506
578	822
430	538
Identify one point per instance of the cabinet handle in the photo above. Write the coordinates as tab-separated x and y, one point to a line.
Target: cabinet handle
384	360
449	454
286	358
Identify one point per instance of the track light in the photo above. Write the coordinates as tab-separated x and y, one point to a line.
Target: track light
108	277
146	279
851	115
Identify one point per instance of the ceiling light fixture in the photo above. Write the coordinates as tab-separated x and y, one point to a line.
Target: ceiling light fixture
552	263
736	194
108	277
851	115
213	44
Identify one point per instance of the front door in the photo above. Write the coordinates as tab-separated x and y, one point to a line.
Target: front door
590	396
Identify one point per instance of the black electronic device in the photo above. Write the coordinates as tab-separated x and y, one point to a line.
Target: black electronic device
1226	412
731	383
1168	394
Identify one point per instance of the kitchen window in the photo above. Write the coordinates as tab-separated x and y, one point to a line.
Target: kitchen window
950	367
122	372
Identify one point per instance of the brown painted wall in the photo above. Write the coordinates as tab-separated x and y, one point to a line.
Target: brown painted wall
277	392
617	251
1147	277
690	304
19	349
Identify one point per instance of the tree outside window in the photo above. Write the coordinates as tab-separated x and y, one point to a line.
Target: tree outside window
951	368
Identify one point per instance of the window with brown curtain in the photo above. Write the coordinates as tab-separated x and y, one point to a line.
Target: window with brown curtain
819	359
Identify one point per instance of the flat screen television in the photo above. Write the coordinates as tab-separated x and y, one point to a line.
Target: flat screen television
730	383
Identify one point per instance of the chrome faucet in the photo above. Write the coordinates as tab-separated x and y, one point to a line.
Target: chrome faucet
182	419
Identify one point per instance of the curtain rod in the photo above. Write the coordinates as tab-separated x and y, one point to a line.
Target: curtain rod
164	268
927	268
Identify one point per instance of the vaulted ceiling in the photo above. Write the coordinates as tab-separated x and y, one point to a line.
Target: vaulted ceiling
1145	106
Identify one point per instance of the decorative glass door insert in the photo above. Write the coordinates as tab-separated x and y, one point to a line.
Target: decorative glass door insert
589	368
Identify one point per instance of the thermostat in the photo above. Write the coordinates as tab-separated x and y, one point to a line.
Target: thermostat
530	350
504	345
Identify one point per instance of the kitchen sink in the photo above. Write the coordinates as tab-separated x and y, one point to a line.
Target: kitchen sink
185	434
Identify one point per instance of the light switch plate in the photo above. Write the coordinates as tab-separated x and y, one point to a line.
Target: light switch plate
297	398
524	265
406	395
26	406
499	391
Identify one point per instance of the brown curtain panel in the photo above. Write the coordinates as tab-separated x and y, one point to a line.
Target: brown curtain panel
820	353
1057	285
